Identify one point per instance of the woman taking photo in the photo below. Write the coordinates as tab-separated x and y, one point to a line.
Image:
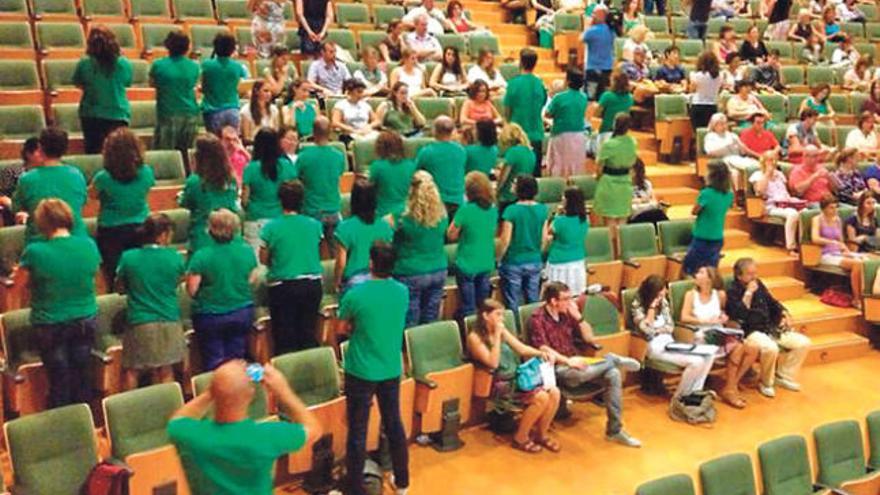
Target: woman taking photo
827	231
565	234
448	78
493	346
356	235
707	237
259	112
399	113
392	174
614	191
861	228
519	159
122	188
478	107
482	156
353	117
772	186
259	186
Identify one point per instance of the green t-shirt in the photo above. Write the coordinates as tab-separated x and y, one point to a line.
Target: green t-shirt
525	97
151	275
200	198
103	91
521	161
305	119
233	458
445	161
481	158
569	236
320	168
263	199
62	278
527	221
225	270
377	310
293	242
64	182
392	181
419	248
709	225
476	244
124	203
619	152
175	79
612	104
567	109
220	78
357	238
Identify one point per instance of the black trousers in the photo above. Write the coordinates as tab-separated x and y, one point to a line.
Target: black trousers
293	307
65	349
597	82
537	149
96	130
112	242
701	114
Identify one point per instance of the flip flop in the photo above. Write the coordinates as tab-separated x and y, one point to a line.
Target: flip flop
528	447
549	444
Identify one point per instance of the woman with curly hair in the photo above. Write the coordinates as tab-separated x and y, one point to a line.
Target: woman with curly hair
392	173
102	75
419	239
122	188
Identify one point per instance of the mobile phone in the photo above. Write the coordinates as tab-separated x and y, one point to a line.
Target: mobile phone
255	372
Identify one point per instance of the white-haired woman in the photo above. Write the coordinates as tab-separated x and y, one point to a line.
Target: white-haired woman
723	144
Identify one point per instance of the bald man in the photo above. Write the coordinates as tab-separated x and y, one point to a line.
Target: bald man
445	159
232	454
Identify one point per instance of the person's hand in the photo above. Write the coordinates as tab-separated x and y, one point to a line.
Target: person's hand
655	304
752	286
723	319
548	357
21	217
274	380
5	201
576	363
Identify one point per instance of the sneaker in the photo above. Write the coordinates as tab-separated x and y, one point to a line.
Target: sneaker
788	384
767	391
623	438
626	363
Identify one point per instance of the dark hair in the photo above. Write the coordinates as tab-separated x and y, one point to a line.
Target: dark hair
382	259
30	146
866	195
455	68
478	189
53	142
808	114
670	50
873	90
364	200
815	90
639	173
123	155
103	47
731	57
291	195
708	62
718	177
724	30
621	124
480	328
475	87
487	133
224	45
526	187
552	290
393	24
620	83
212	164
742	83
389	145
267	150
574	203
451	5
775	53
649	289
827	200
177	43
528	59
153	227
392	96
254	104
575	79
352	84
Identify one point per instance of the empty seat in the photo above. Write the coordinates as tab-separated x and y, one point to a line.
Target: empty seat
568	23
19	83
60	39
348	14
456	41
202	39
343	38
477	43
234	12
126	38
550	190
728	475
103	10
194	11
66	116
676	484
785	467
149	10
58	75
873	422
57	10
603	268
371	38
841	457
16	10
16	41
17	123
638	250
384	14
431	108
819	75
143	118
675	238
672	121
659	25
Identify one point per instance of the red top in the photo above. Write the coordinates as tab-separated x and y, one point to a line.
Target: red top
460	25
817	190
758	141
559	335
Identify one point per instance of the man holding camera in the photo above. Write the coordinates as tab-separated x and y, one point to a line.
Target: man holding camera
599	55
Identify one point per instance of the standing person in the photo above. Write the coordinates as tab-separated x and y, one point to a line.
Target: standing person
474	229
102	75
121	187
175	78
259	188
518	160
212	186
445	160
705	84
519	245
525	99
374	313
219	279
314	18
290	247
599	38
614	101
699	19
356	234
419	242
289	139
565	234
778	21
208	447
153	341
220	77
320	167
259	112
567	148
711	209
62	273
267	26
482	156
392	173
614	191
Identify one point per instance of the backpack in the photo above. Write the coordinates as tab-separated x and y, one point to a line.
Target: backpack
107	478
835	296
695	408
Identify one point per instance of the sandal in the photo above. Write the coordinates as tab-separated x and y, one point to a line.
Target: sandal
733	400
549	444
528	447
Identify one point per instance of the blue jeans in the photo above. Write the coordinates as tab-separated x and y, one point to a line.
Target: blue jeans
223	336
216	121
520	280
661	7
65	349
700	253
696	30
472	290
425	295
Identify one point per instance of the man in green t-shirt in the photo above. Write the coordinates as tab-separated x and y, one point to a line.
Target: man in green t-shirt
446	161
232	454
374	312
525	99
320	167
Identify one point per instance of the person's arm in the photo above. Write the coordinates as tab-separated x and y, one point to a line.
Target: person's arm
245	195
524	350
488	356
291	404
497	119
386	55
453	231
504	239
339	124
418	119
93	192
852	236
761	185
196	408
463	118
193	281
339	267
547	234
742	146
801	187
434	81
301	17
328	20
265	256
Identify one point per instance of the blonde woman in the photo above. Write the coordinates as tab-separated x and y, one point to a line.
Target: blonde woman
518	159
419	239
410	73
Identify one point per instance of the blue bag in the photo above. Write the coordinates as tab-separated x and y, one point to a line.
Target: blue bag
528	375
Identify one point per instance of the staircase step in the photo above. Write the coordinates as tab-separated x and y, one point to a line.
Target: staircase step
649	158
677	195
517	39
646	140
481	7
508	28
837	346
813	318
736	239
785	288
488	17
662	175
772	262
735	219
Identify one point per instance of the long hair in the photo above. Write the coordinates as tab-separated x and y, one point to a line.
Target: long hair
817	89
718	177
861	214
485	54
103	47
364	200
267	149
639	174
649	289
708	62
478	189
512	135
455	67
483	308
212	164
715	279
424	205
256	110
123	155
574	203
620	83
389	145
392	96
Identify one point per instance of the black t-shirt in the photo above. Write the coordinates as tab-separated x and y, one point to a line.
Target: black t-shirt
700	10
780	11
750	53
315	12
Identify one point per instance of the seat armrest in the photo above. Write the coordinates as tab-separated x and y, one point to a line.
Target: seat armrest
632	263
426	382
102	356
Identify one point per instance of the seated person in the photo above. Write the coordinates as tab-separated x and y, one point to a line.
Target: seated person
850	183
743	103
485	69
434	18
860	76
827	231
353	118
457	22
771	185
813	52
810	180
646	208
423	43
478	107
767	76
753	51
392	46
726	44
448	77
864	137
829	27
818	101
399	113
758	138
638	72
636	39
735	72
845	55
848	11
371	74
803	134
802	30
861	227
723	144
670	77
411	73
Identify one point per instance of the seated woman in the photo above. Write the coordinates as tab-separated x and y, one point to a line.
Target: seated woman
410	72
632	15
448	78
845	55
495	347
259	112
478	107
771	185
485	70
813	52
636	39
859	77
802	30
281	72
726	43
653	322
457	22
725	145
827	231
872	104
829	28
863	138
702	309
300	112
371	74
743	103
646	208
753	50
391	47
861	227
818	101
353	117
850	183
399	113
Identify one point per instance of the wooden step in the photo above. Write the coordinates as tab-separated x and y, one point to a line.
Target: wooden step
772	262
662	175
649	158
508	28
736	239
489	17
519	39
481	7
813	318
837	346
785	288
735	219
645	140
677	195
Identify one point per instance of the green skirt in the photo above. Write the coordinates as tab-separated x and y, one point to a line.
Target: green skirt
152	345
614	195
177	132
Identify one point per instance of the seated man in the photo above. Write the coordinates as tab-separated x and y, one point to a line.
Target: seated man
767	76
435	17
643	88
803	134
758	138
810	180
767	325
670	77
556	325
422	42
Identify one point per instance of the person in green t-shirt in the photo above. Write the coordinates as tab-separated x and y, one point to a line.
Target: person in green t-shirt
711	210
566	234
153	341
356	234
482	156
474	227
175	78
259	185
374	313
300	112
616	100
232	453
290	247
525	99
445	160
320	168
219	279
518	160
614	191
392	173
520	245
102	75
220	77
566	151
122	188
62	272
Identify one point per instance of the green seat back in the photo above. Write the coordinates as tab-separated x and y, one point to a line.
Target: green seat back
180	220
784	47
792	74
18	75
510	322
602	315
627	297
432	108
130	430
657	46
59	73
598	245
15	35
385	14
313	373
228	10
53	7
525	313
11	245
203	38
675	236
854	29
568	22
343	38
21	121
66	116
679	26
412	146
258	408
677	290
775	104
840	104
839	452
20	340
637	240
454	40
806	219
193	9
372	38
143	116
60	35
348	13
785	467
167	166
874	439
857	102
153	35
112	321
126	38
89	165
587	185
140	73
670	106
477	43
433	347
659	25
10	7
508	70
690	48
794	105
840	133
149	8
676	484
550	189
819	75
728	475
364	151
872	30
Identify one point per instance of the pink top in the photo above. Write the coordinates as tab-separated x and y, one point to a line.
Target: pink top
478	111
238	160
461	26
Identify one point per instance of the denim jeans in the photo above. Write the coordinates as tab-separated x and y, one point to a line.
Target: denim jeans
95	131
293	307
696	30
661	7
223	336
520	280
472	290
65	349
596	82
216	121
700	253
607	371
425	295
359	396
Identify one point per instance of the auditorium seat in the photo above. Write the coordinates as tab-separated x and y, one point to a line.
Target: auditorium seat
654	372
658	24
785	467
20	83
675	238
602	268
671	121
54	10
112	323
371	38
17	123
149	11
353	16
103	11
873	422
817	75
16	41
794	79
605	319
675	484
775	104
728	475
550	191
456	41
202	39
194	11
384	14
841	458
639	252
15	10
812	252
128	43
153	38
60	40
431	108
143	120
689	49
25	384
234	13
677	290
872	31
479	42
344	38
58	75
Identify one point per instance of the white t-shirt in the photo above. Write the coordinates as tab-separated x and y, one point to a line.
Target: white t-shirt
383	79
270	120
707	89
435	26
355	115
630	45
429	42
855	139
721	145
477	72
776	188
415	81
